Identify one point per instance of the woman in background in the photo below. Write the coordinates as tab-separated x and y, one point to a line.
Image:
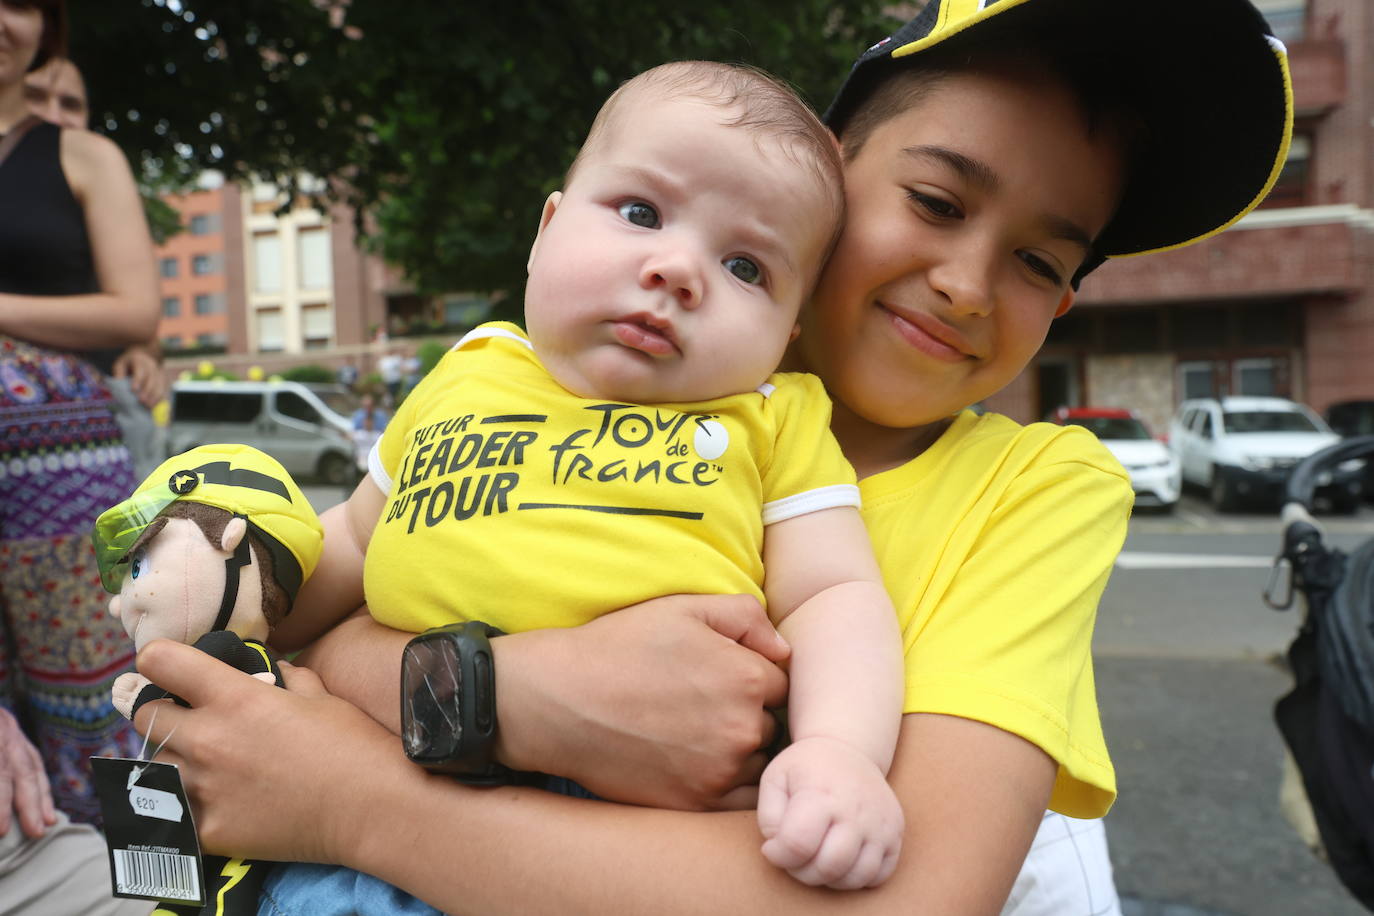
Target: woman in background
76	286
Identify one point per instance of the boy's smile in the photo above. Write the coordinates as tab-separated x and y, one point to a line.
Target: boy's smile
966	216
673	266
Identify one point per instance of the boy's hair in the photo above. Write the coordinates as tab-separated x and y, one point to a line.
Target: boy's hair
760	103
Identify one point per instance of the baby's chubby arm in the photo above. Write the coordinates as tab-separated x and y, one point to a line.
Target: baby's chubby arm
335	589
825	808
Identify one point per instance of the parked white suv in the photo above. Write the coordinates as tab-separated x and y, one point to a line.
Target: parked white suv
1242	449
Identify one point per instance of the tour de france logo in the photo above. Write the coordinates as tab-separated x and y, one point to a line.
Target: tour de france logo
620	459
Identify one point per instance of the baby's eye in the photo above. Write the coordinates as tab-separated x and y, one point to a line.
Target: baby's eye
743	269
138	563
640	213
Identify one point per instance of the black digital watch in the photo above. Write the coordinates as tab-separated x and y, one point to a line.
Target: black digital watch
448	703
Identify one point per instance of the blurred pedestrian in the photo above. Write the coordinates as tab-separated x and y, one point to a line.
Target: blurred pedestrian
76	283
347	374
56	92
392	368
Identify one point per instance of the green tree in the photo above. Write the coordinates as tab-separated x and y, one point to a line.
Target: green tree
446	124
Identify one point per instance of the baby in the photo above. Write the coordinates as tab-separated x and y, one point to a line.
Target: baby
526	483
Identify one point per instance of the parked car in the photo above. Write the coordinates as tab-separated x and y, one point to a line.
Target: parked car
1241	449
1154	469
1354	418
303	426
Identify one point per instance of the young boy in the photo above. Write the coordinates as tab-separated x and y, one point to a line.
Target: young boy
965	194
527	487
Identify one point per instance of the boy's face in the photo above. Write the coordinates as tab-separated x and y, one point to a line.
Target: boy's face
967	214
673	266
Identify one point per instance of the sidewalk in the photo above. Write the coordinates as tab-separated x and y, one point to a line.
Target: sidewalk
1196	830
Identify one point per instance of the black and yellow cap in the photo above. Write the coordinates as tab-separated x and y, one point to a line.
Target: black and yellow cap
1208	76
237	478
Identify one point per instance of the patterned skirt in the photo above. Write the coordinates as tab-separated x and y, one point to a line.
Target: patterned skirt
62	463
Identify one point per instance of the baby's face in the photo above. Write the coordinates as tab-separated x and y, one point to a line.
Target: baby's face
673	266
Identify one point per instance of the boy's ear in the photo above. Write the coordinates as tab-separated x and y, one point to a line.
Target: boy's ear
233	533
545	215
796	330
1065	304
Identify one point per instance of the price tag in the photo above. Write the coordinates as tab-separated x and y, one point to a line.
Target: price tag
153	848
155	803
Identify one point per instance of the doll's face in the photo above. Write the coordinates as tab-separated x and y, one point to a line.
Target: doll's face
175	582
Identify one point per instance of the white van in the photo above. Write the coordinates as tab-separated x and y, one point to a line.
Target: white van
308	428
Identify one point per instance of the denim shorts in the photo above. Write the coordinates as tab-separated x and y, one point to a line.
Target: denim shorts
299	889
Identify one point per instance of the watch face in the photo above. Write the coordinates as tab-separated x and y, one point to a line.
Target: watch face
431	684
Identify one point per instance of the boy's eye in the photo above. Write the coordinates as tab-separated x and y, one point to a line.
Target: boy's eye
138	563
640	214
743	269
935	206
1042	267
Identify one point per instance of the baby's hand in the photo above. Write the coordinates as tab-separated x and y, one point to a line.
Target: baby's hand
125	690
828	816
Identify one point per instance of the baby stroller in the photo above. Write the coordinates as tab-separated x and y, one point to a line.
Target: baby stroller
1327	720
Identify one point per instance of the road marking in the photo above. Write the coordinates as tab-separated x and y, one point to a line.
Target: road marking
1128	559
1191	517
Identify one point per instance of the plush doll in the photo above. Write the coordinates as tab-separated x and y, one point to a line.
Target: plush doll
210	550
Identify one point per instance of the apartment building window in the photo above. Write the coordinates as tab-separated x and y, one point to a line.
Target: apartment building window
211	340
209	304
1197	379
168	267
267	262
313	254
1258	377
1287	18
202	264
1290	189
271	330
171	343
200	224
171	307
317	326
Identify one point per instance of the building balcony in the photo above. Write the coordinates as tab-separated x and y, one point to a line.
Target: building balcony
1288	252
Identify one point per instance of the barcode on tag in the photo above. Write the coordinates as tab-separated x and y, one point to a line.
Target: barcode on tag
156	874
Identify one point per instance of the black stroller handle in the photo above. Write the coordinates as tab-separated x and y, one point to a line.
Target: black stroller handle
1302	482
1305	562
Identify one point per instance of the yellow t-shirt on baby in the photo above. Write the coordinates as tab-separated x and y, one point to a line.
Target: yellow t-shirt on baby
514	502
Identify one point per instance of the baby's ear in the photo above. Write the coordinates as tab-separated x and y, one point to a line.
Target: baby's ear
545	215
233	533
796	330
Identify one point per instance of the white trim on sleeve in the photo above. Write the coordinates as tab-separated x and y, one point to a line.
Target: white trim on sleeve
376	471
482	333
840	494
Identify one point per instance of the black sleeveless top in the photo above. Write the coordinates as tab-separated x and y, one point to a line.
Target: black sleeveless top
44	249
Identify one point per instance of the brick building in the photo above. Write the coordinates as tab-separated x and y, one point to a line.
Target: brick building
249	286
193	280
1281	303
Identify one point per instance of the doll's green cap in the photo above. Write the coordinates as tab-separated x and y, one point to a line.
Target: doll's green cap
237	478
1208	77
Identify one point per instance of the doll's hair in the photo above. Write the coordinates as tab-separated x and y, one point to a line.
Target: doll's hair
212	520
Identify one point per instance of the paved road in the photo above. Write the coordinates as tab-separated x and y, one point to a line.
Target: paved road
1187	679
